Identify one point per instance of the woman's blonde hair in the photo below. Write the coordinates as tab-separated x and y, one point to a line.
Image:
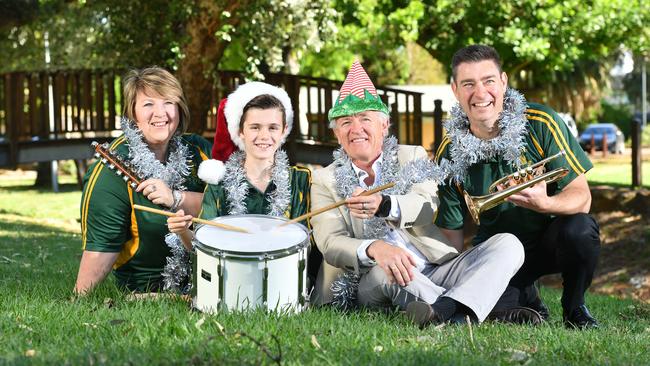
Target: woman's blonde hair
159	81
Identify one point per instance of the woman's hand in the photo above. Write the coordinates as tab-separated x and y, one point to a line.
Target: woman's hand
179	223
157	192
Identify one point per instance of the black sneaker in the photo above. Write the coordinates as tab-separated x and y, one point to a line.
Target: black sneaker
517	315
580	318
541	308
421	313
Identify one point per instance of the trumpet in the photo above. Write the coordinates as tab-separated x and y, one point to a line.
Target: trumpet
511	184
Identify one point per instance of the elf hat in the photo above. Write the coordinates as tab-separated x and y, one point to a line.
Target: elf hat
229	113
357	95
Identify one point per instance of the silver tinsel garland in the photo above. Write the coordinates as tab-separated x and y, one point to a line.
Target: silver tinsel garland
178	270
411	173
173	172
236	186
466	149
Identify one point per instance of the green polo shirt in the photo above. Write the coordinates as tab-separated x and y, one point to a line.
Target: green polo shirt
215	203
547	135
109	223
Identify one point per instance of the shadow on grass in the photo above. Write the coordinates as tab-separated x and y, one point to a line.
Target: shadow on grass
28	227
63	188
613	185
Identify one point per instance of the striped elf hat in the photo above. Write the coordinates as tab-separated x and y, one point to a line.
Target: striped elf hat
357	94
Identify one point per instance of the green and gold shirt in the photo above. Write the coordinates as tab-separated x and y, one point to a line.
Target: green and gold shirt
215	202
546	135
110	224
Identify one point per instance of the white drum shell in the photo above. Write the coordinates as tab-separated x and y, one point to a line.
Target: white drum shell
244	279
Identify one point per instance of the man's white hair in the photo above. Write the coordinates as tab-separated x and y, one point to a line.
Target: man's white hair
382	115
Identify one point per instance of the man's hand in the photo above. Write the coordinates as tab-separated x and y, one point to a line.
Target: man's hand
363	207
396	262
533	198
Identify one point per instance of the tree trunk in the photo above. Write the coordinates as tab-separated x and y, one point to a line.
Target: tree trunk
198	69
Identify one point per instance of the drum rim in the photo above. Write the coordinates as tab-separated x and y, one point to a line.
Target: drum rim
279	253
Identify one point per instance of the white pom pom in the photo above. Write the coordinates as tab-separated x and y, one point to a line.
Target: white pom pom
211	171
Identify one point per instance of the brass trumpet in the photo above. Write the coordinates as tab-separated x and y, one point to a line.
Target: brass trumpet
511	184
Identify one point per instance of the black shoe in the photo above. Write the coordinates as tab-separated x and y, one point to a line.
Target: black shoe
461	319
580	318
517	315
421	314
541	308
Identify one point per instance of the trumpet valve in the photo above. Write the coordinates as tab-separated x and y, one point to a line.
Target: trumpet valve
530	173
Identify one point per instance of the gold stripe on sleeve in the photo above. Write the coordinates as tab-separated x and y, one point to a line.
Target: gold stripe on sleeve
441	148
559	138
570	157
130	247
84	210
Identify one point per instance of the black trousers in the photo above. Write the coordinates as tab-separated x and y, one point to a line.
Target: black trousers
570	246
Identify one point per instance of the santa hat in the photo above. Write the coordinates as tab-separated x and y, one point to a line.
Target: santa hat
229	113
357	94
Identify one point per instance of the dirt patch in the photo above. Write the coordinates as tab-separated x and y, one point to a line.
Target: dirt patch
624	266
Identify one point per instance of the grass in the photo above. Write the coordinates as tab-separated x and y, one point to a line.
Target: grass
616	171
42	323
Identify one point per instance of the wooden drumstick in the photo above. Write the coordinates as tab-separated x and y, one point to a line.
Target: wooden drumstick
335	205
194	219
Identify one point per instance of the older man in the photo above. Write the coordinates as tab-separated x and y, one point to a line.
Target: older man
389	239
493	132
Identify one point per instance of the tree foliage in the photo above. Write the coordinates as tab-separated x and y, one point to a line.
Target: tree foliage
556	51
190	37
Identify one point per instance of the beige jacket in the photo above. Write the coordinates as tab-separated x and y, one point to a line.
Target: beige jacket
338	234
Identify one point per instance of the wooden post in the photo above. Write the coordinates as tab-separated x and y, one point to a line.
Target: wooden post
592	149
437	124
605	150
417	117
636	154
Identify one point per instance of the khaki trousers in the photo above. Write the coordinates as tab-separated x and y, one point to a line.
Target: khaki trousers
476	278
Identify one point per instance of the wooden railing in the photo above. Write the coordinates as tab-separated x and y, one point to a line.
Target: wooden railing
313	97
36	125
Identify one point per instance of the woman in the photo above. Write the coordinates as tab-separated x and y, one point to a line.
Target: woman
256	178
154	143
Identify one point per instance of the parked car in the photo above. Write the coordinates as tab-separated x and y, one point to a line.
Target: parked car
596	132
570	123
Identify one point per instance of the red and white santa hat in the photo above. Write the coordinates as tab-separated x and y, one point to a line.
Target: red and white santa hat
229	113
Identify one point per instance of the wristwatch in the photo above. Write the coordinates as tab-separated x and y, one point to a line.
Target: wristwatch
384	207
178	197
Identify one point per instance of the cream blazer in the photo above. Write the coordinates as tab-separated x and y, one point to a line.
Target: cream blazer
338	234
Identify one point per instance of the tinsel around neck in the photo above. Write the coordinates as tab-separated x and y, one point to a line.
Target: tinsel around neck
236	185
413	172
344	288
175	169
467	149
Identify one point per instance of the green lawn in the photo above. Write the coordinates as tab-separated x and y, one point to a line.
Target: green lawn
616	172
41	322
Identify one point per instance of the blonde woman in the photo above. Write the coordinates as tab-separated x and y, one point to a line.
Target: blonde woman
114	235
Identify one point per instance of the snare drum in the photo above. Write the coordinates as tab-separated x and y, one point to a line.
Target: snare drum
238	271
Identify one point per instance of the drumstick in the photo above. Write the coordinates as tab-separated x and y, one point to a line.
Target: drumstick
334	205
194	219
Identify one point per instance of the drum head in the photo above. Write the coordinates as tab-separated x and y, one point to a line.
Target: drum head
265	235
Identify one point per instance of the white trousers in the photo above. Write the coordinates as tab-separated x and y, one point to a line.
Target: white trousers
476	278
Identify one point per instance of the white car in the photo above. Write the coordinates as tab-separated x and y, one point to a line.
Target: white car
571	124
